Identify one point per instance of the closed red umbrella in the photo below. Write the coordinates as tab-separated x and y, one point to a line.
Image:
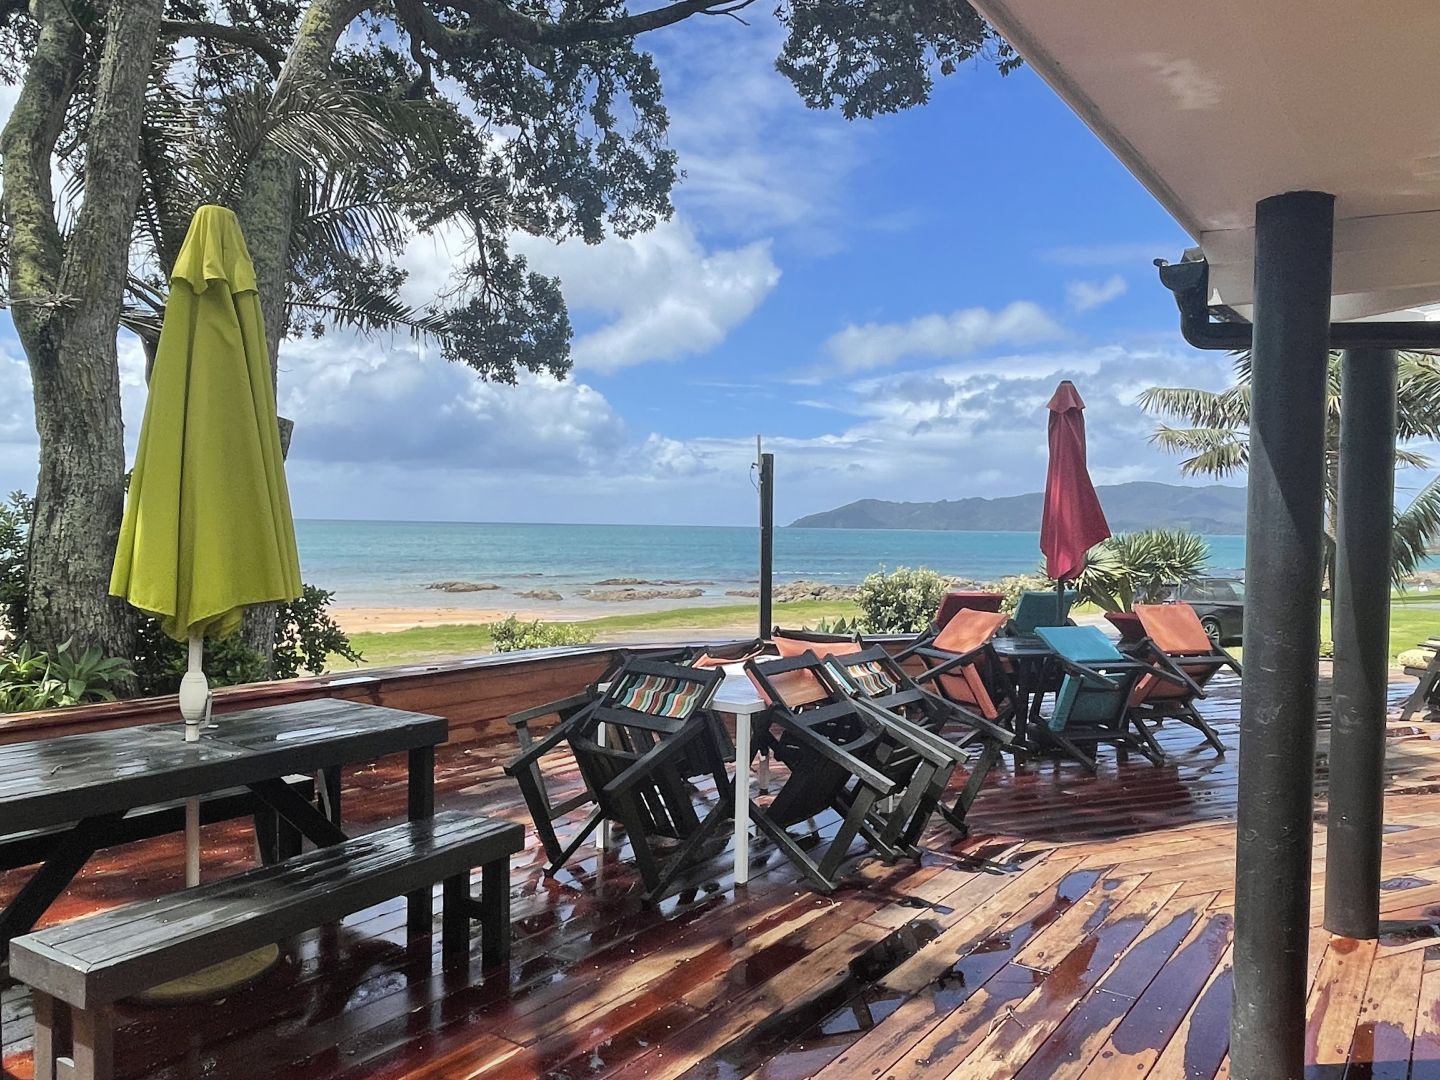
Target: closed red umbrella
1073	521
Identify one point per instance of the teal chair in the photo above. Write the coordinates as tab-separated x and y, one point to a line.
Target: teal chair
1092	703
1037	609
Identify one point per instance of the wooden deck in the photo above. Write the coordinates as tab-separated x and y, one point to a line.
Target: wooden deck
1083	929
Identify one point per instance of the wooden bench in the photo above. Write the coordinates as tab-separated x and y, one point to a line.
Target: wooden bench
1426	695
144	822
87	965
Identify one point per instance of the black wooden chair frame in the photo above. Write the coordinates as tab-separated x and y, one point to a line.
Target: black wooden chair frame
1126	731
640	774
937	714
938	662
1183	709
848	777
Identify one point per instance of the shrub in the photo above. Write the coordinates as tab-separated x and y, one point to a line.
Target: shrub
306	635
514	634
900	602
32	680
16	514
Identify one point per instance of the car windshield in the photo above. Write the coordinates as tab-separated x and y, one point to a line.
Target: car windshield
1239	588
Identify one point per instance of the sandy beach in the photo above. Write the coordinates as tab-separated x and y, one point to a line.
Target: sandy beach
384	620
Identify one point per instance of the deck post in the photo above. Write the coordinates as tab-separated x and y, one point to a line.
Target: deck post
767	542
1283	563
1363	537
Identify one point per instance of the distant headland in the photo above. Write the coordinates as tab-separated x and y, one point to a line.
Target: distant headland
1213	509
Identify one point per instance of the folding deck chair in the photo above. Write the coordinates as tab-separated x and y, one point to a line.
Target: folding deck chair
1176	642
797	642
882	682
658	735
845	757
963	669
1092	704
1426	695
1041	608
527	768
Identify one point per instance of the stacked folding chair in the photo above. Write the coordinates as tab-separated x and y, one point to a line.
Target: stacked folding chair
639	745
843	755
879	680
963	669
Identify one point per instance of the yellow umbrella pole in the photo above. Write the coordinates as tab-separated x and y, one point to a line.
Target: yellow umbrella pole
195	708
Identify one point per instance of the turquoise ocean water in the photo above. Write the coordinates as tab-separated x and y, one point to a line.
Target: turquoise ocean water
388	564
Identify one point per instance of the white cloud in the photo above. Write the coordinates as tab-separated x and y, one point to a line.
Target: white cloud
1085	295
873	345
756	160
662	294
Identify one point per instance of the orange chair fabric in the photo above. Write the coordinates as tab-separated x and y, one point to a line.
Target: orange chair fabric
789	646
1175	628
969	630
1176	631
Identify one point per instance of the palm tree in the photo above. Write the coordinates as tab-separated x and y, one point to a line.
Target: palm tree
1216	443
1141	567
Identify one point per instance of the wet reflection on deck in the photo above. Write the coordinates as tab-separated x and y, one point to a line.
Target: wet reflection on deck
1082	929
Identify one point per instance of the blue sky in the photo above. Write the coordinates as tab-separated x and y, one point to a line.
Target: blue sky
889	302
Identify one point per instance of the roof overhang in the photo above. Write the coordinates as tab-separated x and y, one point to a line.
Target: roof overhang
1216	106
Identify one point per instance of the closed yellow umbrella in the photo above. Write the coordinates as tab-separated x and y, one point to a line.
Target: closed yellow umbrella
207	528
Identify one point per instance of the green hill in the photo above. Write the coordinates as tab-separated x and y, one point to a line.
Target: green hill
1215	509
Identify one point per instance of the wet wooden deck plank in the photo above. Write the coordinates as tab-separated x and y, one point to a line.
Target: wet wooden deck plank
1335	1002
1075	1041
1059	988
357	1004
1385	1032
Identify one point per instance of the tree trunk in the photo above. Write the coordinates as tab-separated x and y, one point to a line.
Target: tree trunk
268	205
79	495
67	298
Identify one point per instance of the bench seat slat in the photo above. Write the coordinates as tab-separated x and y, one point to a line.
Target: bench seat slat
127	950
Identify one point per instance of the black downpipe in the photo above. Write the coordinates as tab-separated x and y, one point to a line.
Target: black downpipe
767	542
1190	282
1284	545
1364	532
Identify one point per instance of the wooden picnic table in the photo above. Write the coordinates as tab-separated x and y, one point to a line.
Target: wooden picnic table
89	782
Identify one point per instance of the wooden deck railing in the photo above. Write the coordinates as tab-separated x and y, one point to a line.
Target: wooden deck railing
470	693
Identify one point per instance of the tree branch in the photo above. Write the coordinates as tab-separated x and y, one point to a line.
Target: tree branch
96	256
28	142
246	38
495	19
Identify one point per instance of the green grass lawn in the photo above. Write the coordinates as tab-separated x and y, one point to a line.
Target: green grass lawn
431	642
1413	618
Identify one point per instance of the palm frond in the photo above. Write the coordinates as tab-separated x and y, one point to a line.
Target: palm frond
1416	528
1212	451
1200	408
376	311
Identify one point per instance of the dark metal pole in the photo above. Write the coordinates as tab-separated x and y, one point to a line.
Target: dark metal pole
767	541
1283	562
1363	536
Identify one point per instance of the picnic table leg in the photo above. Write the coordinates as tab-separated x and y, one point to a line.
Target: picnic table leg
418	915
495	912
42	890
43	1006
94	1043
327	787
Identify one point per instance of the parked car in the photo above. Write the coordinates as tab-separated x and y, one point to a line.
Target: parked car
1220	603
